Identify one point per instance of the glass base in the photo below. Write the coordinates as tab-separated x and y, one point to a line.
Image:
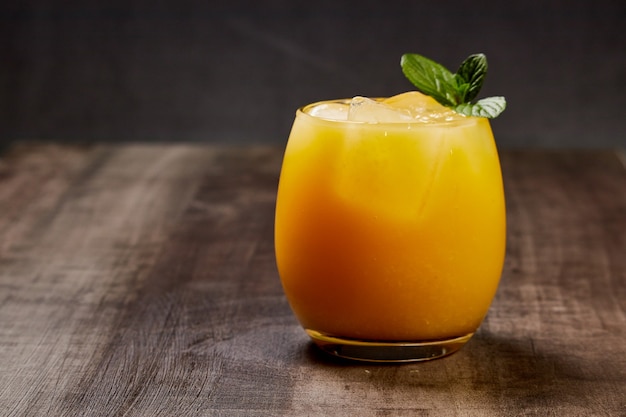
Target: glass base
381	351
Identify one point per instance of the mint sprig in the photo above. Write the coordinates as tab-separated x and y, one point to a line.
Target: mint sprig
453	90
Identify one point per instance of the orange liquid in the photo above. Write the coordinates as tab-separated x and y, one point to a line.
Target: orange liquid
390	231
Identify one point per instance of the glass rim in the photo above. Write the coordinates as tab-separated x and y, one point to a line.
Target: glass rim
302	111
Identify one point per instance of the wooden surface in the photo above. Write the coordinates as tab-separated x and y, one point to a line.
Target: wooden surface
139	280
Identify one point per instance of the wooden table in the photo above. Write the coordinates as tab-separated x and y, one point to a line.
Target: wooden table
139	280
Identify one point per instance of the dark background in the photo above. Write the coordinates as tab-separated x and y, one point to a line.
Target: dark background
235	71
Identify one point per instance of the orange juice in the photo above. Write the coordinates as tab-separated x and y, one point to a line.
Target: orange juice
389	231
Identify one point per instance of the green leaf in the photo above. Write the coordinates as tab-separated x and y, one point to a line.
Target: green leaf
431	78
471	75
453	90
490	107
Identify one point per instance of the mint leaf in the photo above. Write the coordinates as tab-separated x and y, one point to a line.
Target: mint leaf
431	78
453	90
490	107
471	75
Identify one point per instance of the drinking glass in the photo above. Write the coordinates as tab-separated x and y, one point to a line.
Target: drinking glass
389	236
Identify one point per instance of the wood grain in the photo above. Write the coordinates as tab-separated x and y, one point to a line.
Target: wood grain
139	280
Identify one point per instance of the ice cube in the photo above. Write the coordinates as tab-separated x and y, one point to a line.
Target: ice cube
363	109
332	111
422	108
